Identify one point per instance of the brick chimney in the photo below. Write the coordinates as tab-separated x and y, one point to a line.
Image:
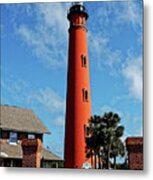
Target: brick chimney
32	149
134	147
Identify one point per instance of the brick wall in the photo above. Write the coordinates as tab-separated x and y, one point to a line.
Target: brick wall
22	136
135	152
32	149
5	136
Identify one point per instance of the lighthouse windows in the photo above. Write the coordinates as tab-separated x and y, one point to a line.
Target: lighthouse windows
83	20
85	95
80	20
84	60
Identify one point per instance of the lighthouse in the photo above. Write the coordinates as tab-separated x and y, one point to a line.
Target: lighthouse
78	103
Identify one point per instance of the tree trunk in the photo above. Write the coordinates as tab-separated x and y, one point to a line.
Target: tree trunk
95	160
92	160
114	162
108	156
99	161
102	160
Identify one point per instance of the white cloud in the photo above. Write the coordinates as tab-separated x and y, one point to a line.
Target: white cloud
110	17
119	98
59	121
50	56
16	88
48	35
107	108
132	72
130	12
122	12
23	92
103	53
48	98
53	16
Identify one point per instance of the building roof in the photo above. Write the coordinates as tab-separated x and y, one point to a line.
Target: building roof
134	141
15	152
21	120
47	155
10	151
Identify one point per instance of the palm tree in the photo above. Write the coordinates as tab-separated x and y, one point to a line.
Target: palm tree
102	133
111	120
93	143
117	149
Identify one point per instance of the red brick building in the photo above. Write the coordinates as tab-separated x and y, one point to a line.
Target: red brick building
18	128
134	147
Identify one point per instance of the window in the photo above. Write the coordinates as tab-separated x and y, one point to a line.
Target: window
83	20
80	20
85	95
86	131
31	136
83	60
13	138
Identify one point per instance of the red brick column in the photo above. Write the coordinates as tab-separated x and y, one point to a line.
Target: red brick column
134	147
5	136
31	150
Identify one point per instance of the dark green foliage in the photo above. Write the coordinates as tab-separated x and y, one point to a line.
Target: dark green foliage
123	166
103	139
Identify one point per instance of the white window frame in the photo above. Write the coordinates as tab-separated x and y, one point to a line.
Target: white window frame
31	136
11	141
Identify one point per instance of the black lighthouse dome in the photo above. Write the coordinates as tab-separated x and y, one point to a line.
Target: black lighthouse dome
77	7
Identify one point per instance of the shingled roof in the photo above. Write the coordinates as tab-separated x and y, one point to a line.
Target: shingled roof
10	151
47	155
21	120
15	152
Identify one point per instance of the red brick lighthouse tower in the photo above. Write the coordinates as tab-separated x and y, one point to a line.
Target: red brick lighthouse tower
78	105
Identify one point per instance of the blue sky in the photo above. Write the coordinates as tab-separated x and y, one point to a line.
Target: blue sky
34	49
